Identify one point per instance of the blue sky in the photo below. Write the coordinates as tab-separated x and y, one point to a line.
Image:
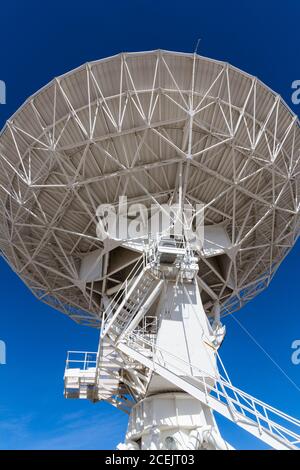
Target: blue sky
38	43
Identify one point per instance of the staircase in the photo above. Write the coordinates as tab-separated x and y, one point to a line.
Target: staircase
274	428
101	380
108	372
80	373
95	377
121	311
105	376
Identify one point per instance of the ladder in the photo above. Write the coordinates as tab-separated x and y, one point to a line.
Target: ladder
273	427
108	371
119	314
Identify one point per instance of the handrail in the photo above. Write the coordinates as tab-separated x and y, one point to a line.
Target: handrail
113	304
89	359
251	406
144	261
220	377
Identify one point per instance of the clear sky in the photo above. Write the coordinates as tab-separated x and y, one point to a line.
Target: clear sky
40	40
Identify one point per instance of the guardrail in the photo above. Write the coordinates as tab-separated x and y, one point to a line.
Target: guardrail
241	404
82	360
114	303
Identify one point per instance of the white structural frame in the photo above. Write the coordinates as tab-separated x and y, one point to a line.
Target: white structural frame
158	127
142	360
226	141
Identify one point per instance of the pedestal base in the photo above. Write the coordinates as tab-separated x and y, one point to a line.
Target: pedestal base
172	421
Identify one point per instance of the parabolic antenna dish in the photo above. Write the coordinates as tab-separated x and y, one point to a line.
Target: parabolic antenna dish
143	125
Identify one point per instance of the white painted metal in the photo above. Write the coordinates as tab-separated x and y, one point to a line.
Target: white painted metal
182	356
256	417
181	422
95	377
184	329
80	374
159	127
128	125
268	424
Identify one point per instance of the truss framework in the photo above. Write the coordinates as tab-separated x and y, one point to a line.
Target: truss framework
130	125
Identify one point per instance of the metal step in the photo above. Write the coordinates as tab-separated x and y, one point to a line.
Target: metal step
131	303
271	426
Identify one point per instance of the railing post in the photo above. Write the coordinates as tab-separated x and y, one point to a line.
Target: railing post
267	419
257	417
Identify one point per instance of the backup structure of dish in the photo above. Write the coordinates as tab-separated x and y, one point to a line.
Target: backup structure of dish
165	130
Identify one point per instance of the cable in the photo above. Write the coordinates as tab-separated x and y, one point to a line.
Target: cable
265	352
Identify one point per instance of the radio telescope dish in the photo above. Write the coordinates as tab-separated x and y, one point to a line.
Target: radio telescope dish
160	128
